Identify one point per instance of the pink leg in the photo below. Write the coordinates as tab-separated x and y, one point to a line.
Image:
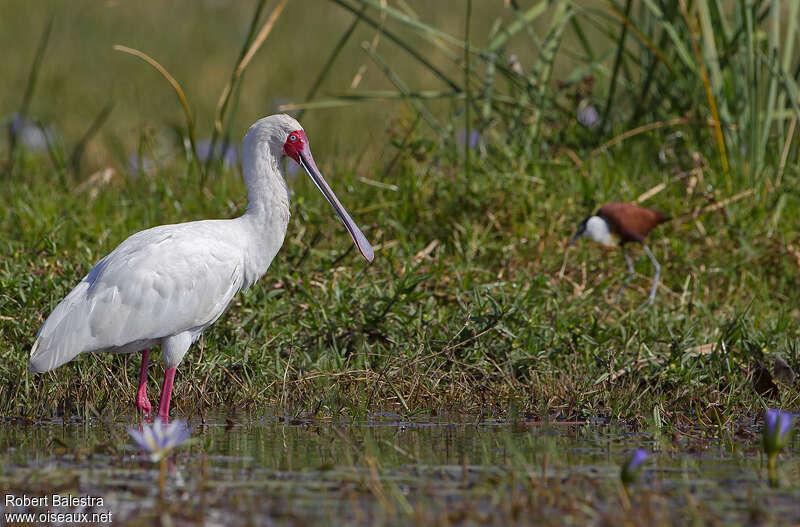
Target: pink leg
166	393
142	402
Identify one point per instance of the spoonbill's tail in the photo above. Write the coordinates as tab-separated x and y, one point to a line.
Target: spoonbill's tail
64	334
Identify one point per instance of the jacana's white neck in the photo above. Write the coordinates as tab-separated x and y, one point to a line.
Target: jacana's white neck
599	230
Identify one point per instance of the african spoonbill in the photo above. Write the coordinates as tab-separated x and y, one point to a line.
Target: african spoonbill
163	286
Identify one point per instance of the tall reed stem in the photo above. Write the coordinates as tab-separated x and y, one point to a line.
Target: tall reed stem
468	91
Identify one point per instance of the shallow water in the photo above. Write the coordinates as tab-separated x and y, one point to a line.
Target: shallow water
261	470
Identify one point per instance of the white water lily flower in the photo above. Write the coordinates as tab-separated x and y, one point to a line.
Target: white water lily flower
159	439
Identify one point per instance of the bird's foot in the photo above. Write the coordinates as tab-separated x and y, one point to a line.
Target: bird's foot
143	403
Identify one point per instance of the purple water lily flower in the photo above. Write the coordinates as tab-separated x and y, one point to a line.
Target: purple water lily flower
632	467
777	425
159	439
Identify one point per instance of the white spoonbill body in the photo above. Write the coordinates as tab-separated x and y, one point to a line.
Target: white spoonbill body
165	285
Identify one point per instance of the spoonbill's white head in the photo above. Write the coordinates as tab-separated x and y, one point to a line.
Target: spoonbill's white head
280	135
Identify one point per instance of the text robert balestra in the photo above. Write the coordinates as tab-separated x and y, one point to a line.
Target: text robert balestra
53	500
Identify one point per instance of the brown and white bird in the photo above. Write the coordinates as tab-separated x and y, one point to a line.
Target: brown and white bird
616	224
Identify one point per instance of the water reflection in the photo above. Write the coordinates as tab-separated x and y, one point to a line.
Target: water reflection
385	468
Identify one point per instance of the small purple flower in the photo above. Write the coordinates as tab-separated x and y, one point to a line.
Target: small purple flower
30	134
203	149
588	115
139	164
474	137
229	155
777	425
159	439
632	467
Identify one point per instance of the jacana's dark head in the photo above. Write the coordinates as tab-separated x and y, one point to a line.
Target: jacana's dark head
580	232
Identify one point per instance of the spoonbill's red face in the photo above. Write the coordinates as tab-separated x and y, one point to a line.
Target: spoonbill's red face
296	142
296	147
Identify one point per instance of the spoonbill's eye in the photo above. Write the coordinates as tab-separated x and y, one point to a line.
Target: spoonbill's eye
293	137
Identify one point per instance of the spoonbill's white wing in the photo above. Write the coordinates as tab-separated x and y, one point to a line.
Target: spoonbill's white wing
158	283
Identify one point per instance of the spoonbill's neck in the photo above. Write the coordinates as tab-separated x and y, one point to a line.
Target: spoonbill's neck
266	186
267	217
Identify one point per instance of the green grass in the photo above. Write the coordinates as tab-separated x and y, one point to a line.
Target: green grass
465	307
474	308
482	322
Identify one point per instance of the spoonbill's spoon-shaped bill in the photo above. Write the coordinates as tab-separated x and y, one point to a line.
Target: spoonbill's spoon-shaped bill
163	286
297	148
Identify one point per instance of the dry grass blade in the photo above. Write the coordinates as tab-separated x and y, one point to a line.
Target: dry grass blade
373	46
636	131
95	181
175	86
266	29
715	206
647	128
651	192
347	99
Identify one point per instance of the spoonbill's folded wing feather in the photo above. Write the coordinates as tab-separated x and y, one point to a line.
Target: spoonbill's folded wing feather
157	283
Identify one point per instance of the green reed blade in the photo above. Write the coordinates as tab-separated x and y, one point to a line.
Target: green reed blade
788	49
399	42
403	88
674	35
331	59
617	63
80	146
769	108
413	22
711	58
468	91
30	86
514	27
544	67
